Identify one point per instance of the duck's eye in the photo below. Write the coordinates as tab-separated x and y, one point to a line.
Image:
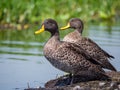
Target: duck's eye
51	24
47	22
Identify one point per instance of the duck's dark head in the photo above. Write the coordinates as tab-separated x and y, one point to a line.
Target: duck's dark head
74	23
48	25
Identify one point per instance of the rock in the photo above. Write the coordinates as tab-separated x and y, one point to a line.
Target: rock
62	83
77	88
113	85
101	84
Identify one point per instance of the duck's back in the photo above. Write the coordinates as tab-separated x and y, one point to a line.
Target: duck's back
91	47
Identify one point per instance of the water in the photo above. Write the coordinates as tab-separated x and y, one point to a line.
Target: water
22	61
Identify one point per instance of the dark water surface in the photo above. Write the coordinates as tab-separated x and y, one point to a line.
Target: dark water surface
22	60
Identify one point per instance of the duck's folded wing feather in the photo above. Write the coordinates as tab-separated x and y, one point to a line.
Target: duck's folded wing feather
71	47
99	48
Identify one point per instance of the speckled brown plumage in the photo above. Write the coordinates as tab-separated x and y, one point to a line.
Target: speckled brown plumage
67	56
87	44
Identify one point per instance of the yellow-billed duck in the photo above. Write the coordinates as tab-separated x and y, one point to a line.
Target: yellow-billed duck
87	44
67	56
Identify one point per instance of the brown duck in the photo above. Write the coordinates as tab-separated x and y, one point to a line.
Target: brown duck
67	56
87	44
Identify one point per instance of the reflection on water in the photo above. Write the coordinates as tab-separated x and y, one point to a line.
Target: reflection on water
104	36
17	47
22	61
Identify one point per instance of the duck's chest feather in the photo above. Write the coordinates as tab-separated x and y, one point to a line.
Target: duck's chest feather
52	53
50	47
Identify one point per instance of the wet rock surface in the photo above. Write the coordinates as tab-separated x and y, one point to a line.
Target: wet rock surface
80	83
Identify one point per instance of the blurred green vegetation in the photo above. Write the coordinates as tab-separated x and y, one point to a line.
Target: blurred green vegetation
35	11
32	12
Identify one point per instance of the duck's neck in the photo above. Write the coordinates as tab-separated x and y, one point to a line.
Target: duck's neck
72	37
55	35
54	40
79	30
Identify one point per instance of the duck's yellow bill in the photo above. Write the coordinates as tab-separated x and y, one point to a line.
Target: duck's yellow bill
41	30
68	26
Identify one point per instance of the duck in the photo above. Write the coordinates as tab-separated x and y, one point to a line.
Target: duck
92	48
67	56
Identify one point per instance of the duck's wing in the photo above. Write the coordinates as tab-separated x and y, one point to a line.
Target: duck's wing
76	56
99	49
79	60
80	50
98	53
